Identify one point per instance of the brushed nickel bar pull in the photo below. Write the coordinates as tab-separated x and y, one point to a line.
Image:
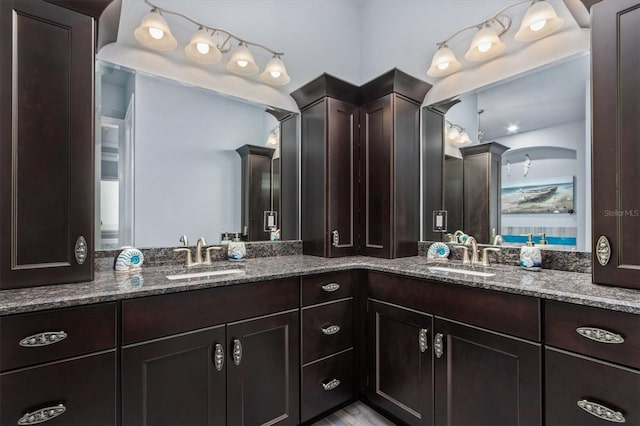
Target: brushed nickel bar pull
43	339
331	287
422	340
237	351
42	415
331	384
332	329
438	345
601	412
600	335
218	356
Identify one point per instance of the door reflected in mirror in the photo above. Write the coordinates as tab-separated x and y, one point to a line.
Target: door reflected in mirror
166	161
544	187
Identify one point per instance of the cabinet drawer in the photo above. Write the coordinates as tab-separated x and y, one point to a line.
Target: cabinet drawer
151	317
575	380
319	390
327	287
609	335
28	339
81	391
326	329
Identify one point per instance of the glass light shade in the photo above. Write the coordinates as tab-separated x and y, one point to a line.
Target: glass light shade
202	48
540	21
272	139
154	32
444	62
463	139
453	134
242	61
275	72
485	45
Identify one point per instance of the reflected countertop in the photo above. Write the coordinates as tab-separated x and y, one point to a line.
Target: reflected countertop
107	286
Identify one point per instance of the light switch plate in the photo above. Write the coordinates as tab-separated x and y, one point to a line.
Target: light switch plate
439	221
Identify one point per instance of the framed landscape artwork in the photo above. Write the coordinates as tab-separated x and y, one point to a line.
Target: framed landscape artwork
550	195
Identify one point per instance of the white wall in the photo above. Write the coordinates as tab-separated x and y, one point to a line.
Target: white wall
554	151
185	161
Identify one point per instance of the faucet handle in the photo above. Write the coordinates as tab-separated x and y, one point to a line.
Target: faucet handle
207	256
465	255
189	261
485	254
184	240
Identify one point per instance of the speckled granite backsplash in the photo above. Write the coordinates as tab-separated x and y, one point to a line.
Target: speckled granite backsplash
165	256
570	261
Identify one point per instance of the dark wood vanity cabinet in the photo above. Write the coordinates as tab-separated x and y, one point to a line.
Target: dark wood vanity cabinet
232	358
329	168
615	148
481	376
59	366
46	149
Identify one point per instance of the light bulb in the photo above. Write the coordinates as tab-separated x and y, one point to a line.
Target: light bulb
156	33
242	63
202	48
453	133
443	65
538	25
275	74
484	47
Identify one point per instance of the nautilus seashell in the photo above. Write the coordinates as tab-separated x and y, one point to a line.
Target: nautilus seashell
129	259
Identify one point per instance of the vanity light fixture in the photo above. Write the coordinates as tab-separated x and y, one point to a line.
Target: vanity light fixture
539	21
208	44
273	138
456	135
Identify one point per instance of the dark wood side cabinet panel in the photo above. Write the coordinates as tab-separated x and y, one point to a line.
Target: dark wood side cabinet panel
263	385
146	317
562	321
573	378
46	154
289	172
435	179
86	388
174	381
87	329
399	370
615	149
506	313
482	378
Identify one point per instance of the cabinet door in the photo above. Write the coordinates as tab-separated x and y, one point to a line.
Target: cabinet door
264	371
616	151
399	366
376	151
176	380
76	392
582	391
342	177
485	379
46	149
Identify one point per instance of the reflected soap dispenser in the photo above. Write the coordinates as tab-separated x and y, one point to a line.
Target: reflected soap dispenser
530	255
236	249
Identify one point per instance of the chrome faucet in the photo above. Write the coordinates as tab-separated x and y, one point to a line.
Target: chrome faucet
471	241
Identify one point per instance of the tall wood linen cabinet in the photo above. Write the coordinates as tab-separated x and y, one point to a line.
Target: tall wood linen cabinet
360	166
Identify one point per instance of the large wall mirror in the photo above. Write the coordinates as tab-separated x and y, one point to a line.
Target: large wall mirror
167	163
543	187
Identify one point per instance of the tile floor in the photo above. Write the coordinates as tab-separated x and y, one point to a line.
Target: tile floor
356	414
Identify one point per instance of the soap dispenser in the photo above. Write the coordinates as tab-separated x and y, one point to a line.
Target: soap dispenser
236	249
530	256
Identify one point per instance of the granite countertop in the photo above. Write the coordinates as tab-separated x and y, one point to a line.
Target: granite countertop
563	286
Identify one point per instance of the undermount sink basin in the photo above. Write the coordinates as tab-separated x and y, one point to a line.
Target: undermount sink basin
206	274
461	271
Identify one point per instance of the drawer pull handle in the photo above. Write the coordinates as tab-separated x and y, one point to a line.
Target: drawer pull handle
237	351
331	384
600	335
43	339
218	357
438	345
42	415
332	329
601	411
331	287
422	340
